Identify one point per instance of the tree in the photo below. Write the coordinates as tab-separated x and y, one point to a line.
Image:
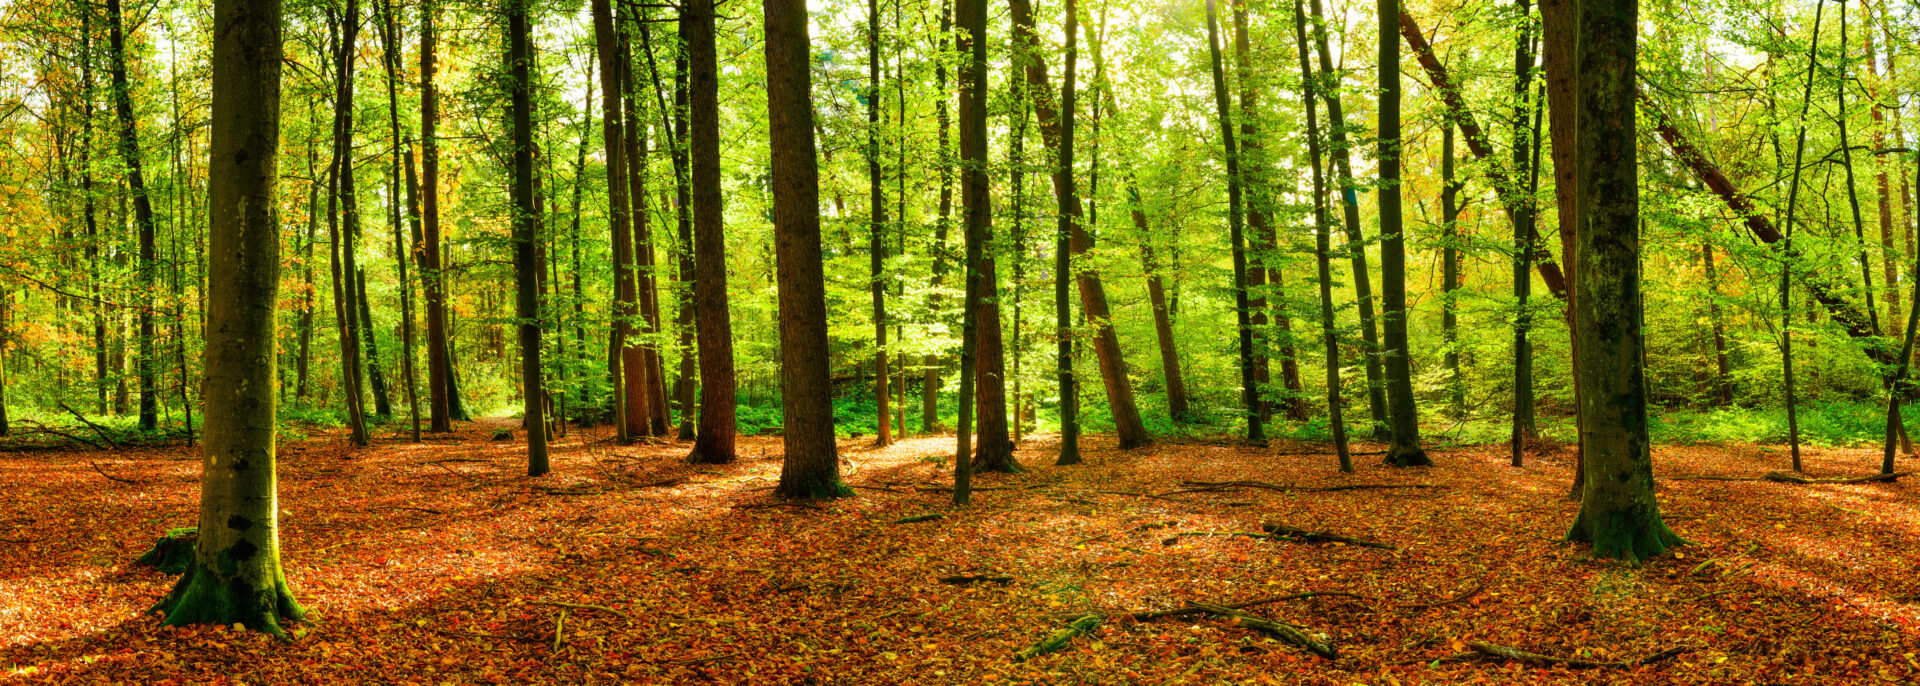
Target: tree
971	16
1356	238
236	577
142	211
1093	295
390	41
1323	240
607	52
714	445
876	228
526	218
1786	244
811	467
442	404
343	223
1619	514
1523	248
1249	380
1405	450
1063	244
1450	187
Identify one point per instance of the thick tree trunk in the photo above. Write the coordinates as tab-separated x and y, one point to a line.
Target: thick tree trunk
811	466
1619	514
1093	295
526	222
645	275
715	442
442	407
995	453
1356	238
142	212
1323	239
1242	302
636	379
236	576
1559	27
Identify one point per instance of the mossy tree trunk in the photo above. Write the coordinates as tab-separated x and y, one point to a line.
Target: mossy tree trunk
236	576
1619	514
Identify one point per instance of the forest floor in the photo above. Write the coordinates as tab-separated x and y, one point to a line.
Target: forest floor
441	563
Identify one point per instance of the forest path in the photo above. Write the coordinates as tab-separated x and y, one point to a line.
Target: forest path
440	562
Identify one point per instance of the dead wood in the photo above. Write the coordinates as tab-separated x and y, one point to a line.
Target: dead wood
1059	639
103	472
1515	654
1209	486
1461	597
964	579
1783	477
778	503
97	429
1197	608
1280	630
919	518
1302	535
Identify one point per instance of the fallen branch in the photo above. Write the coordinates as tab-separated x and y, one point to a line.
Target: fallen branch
1518	655
1461	597
103	472
919	518
1280	630
1223	485
445	632
964	579
1195	608
427	510
1175	538
778	503
1305	536
96	427
1783	477
1702	477
579	606
559	626
455	459
1059	639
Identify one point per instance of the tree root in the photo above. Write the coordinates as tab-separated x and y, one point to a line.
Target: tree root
1059	639
1517	655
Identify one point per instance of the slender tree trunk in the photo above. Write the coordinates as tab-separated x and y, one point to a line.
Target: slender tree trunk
1093	296
1523	218
1559	28
1853	190
971	16
811	467
683	204
236	576
1249	378
1882	186
391	44
1724	380
95	288
526	222
716	439
142	213
1323	240
1619	514
930	378
442	408
647	275
1356	238
1405	450
636	379
1450	274
382	404
1069	214
876	229
1786	246
343	223
995	453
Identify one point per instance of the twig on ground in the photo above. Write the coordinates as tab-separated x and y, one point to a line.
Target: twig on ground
1305	536
1518	655
1783	477
580	606
1197	608
964	579
103	472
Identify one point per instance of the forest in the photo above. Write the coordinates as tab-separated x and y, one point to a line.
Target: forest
959	341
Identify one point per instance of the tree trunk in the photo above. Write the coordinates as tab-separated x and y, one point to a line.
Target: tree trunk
526	222
811	466
646	279
142	213
1093	295
382	404
1356	239
1398	353
635	376
1559	27
236	576
1853	189
1242	305
441	405
930	377
391	43
1450	275
1069	206
683	217
971	16
1619	514
995	453
1323	239
1521	214
613	132
876	229
343	222
1263	271
1724	380
1882	186
715	442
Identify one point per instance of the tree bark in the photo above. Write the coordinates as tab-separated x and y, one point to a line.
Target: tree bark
1263	267
971	16
876	229
1068	200
442	408
1619	514
236	576
343	220
1242	302
930	378
1723	385
391	43
715	443
1450	274
811	465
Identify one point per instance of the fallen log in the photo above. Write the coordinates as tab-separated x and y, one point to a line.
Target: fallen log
1302	535
964	579
1195	608
1785	478
1280	630
919	518
97	429
1059	639
103	472
1517	655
